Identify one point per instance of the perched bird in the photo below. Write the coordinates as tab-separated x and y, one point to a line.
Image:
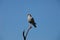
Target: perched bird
31	20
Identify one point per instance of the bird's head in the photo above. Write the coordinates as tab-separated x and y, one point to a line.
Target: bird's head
28	14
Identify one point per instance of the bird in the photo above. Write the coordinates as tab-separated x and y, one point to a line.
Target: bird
31	20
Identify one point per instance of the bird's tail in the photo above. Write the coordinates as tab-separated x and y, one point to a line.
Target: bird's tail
34	25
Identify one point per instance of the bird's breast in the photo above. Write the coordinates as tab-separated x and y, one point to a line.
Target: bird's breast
29	18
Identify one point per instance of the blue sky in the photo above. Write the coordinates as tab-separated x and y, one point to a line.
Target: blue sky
13	19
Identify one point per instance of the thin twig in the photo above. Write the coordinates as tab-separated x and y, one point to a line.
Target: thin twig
28	30
24	36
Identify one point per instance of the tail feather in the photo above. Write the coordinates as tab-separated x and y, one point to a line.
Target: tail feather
34	25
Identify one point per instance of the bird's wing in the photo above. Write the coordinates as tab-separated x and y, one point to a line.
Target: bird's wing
32	20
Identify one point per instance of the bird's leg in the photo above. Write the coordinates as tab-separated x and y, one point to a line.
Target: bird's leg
30	25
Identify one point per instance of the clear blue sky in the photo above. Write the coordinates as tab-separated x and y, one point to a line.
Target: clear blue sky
13	19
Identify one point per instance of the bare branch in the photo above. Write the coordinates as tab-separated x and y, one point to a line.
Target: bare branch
28	30
24	36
